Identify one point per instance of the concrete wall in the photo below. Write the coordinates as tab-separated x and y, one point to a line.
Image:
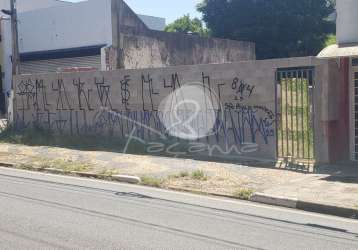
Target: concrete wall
347	19
140	47
115	102
160	49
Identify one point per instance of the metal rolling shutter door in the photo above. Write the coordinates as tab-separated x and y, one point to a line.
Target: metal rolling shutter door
52	65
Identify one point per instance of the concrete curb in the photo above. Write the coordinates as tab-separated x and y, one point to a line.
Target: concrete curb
274	200
119	178
305	205
328	209
7	165
127	179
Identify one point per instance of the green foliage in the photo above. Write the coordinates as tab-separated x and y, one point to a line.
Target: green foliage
280	28
188	25
199	175
331	39
243	194
66	166
151	181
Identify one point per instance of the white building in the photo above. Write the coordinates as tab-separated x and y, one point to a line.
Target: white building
346	54
54	34
28	5
347	31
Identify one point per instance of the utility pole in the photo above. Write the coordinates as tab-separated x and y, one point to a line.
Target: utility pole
15	47
15	39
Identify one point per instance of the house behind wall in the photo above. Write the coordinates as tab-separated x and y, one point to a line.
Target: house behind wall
30	5
58	34
74	35
343	131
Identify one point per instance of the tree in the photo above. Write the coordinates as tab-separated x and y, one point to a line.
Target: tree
280	28
331	39
187	25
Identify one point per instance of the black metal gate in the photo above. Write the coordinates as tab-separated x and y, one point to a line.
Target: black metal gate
295	117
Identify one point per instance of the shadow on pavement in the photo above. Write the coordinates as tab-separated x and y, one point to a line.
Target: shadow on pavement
345	172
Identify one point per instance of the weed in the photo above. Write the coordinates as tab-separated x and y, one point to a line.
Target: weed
151	181
25	166
243	193
199	175
182	174
108	172
66	165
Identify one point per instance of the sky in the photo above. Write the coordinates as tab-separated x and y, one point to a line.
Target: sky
169	9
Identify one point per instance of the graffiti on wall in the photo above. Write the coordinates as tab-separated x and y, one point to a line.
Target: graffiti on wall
127	104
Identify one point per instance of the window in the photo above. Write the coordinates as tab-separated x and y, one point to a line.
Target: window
355	62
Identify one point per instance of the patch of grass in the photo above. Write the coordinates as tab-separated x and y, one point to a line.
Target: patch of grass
295	122
108	172
243	193
66	166
182	174
151	181
199	175
26	166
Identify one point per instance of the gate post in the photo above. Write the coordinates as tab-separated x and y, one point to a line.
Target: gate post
327	108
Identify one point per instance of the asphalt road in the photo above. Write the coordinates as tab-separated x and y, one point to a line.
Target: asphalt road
39	211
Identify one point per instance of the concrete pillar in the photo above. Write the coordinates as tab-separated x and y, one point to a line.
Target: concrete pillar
117	38
332	112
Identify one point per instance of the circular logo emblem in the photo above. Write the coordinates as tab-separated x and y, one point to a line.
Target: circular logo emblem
190	111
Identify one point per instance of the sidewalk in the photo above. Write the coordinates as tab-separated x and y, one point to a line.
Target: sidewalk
336	187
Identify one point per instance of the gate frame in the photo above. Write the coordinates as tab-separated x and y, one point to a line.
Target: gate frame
352	112
311	159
